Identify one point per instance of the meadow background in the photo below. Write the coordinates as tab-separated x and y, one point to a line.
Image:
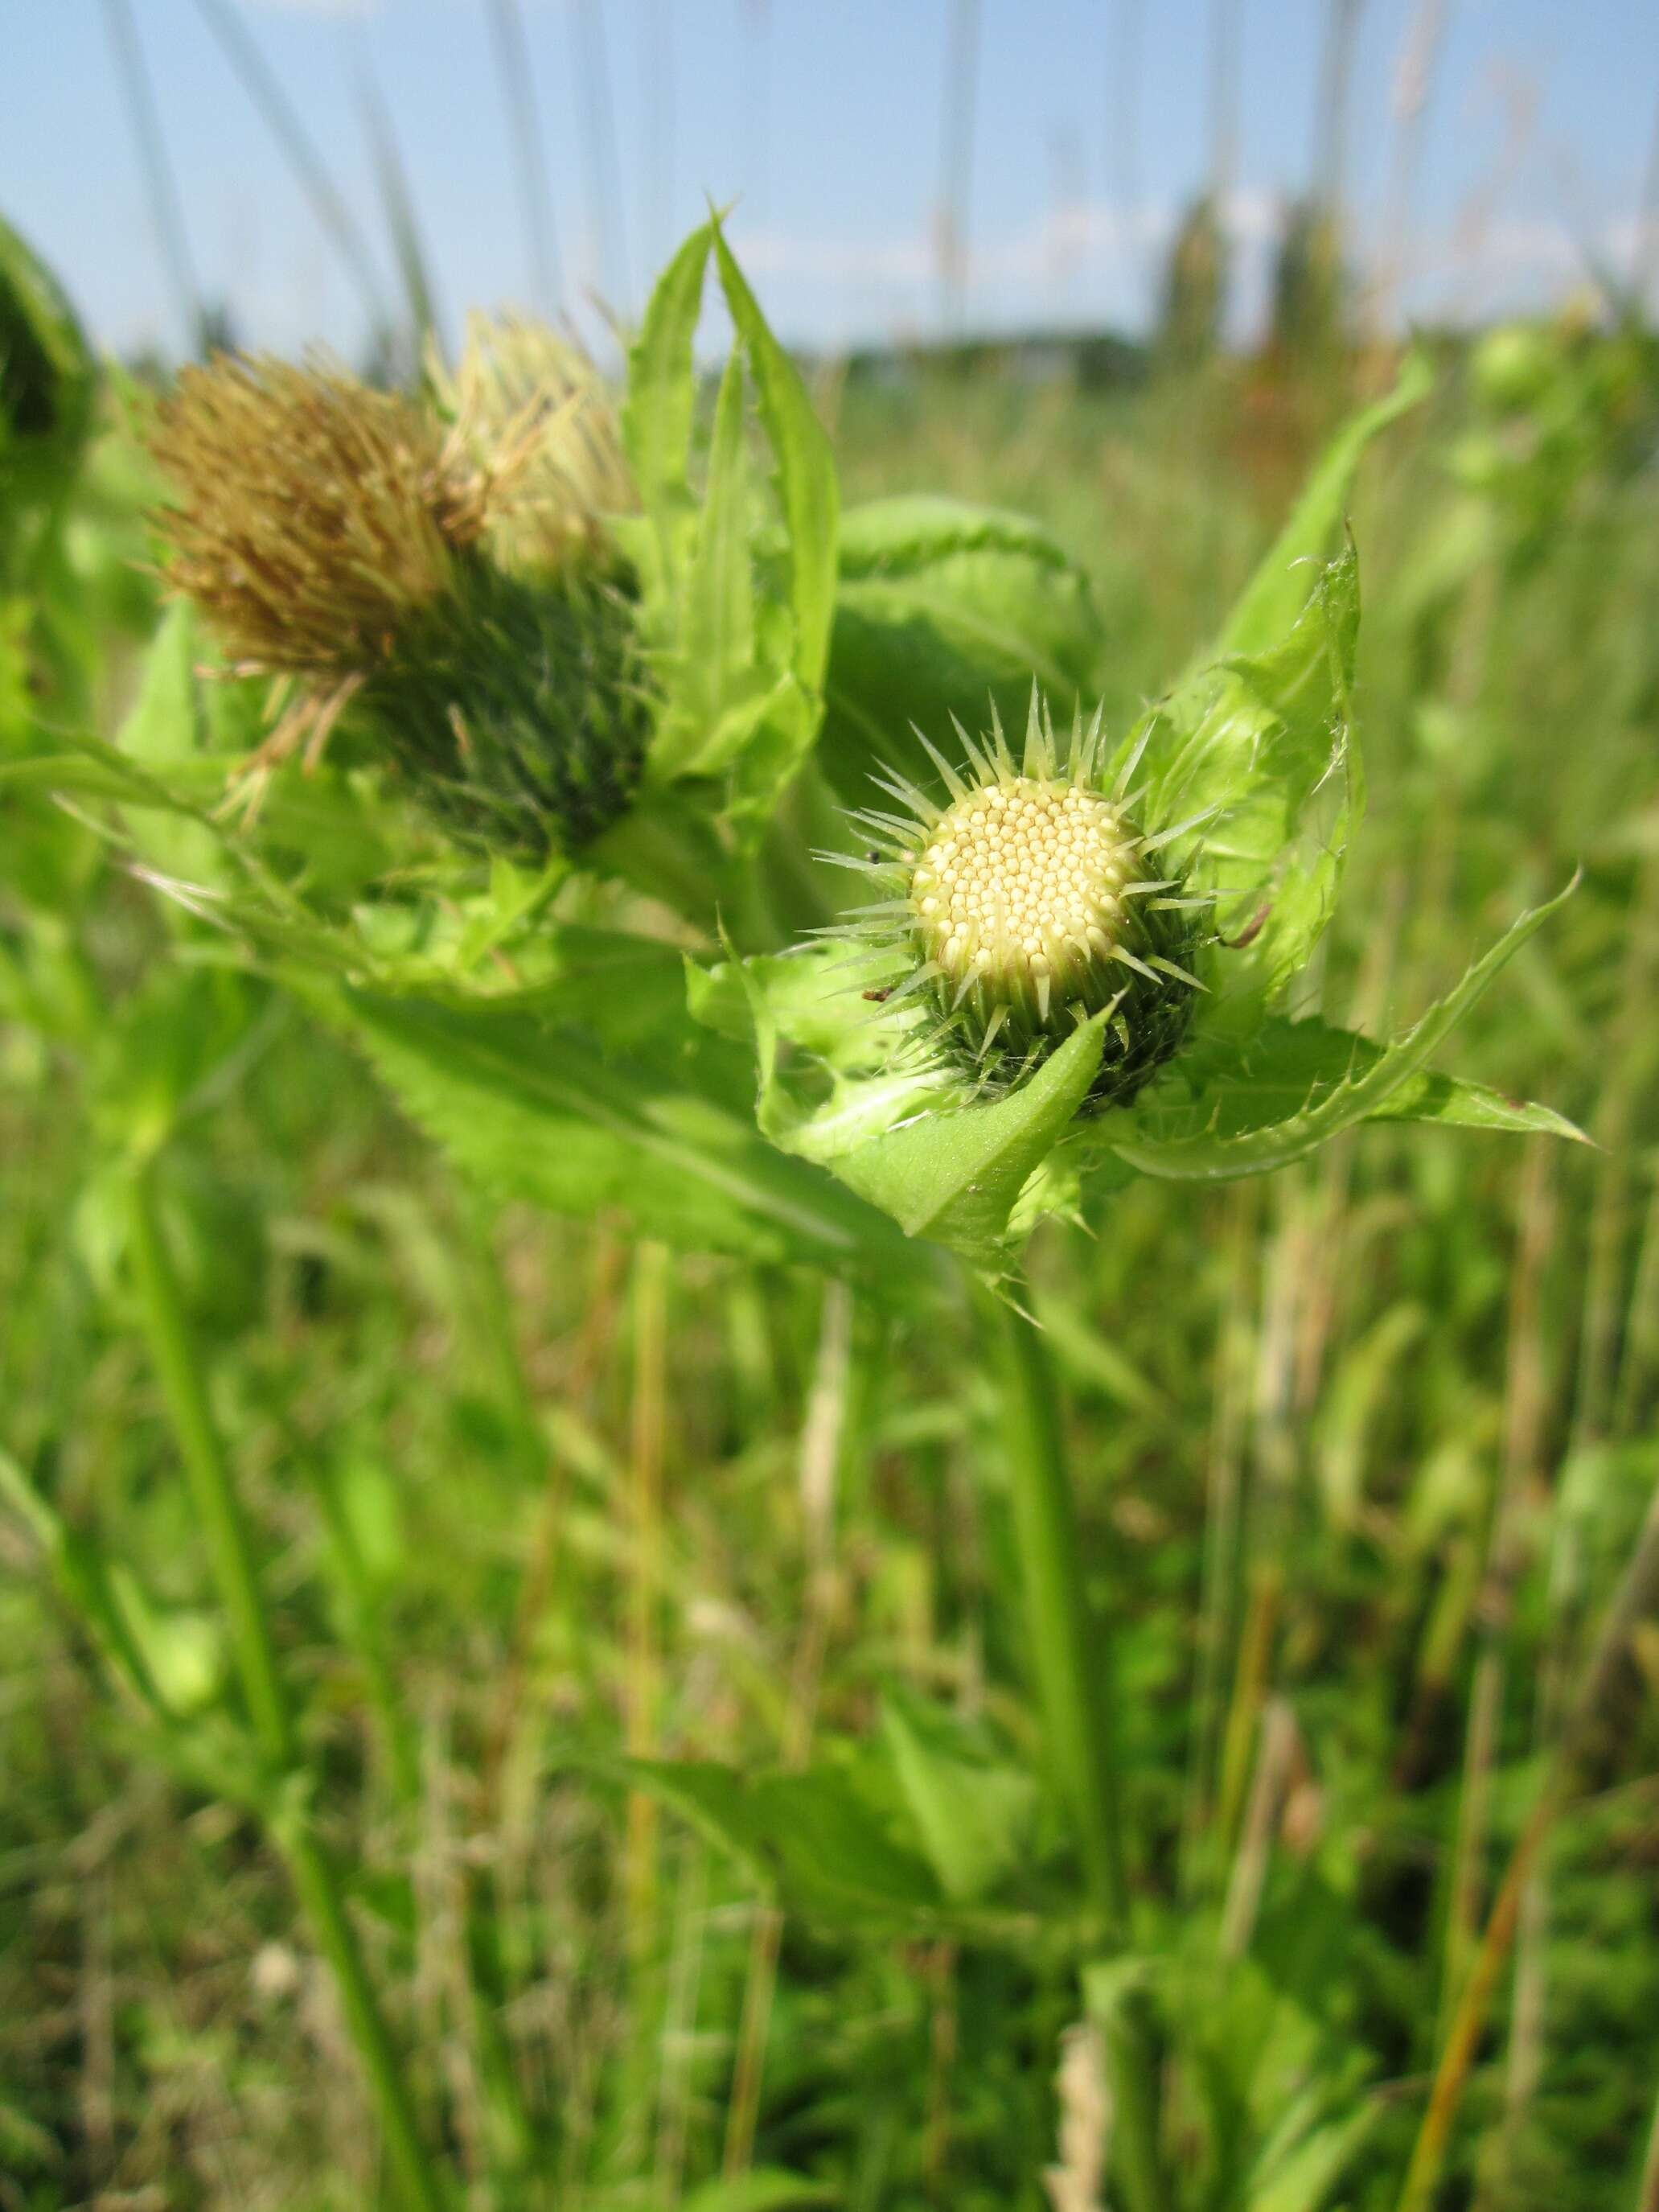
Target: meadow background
1364	1450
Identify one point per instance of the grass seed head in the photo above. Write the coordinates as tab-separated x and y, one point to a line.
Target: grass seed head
1031	901
313	515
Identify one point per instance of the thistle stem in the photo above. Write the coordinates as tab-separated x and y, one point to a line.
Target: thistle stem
183	1377
1071	1660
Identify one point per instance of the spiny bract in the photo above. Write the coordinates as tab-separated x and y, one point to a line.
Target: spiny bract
1032	901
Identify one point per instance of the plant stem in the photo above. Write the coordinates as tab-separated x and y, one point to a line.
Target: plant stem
184	1385
1070	1658
316	1878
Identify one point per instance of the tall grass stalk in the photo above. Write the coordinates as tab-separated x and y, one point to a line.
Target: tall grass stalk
822	1435
1070	1659
1525	1402
1608	1320
643	1686
315	1876
1588	1714
167	210
328	203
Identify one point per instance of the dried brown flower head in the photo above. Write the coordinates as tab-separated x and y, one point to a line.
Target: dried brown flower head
314	516
347	540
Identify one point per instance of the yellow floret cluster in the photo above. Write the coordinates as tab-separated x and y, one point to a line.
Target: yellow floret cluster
1020	886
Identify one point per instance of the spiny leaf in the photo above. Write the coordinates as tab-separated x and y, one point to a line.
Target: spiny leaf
1263	747
542	1113
1166	1133
956	1175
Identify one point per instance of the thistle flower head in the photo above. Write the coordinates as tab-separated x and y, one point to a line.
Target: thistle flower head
534	411
344	537
1033	900
313	515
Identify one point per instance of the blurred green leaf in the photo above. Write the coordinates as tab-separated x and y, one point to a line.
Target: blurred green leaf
48	385
714	691
763	2188
544	1113
657	413
974	1815
1301	2178
940	609
809	1837
806	474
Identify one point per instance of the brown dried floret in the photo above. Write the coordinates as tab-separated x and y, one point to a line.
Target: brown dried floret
314	516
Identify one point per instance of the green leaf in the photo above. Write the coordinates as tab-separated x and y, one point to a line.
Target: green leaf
166	729
714	689
84	1574
548	1114
1259	751
1287	1067
900	1130
940	609
975	1816
810	1837
1231	1124
1270	601
48	387
1302	2179
806	475
657	413
956	1175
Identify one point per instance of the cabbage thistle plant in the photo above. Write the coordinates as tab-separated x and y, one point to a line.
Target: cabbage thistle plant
607	973
1082	961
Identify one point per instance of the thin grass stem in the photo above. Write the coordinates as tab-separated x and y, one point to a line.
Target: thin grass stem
316	1878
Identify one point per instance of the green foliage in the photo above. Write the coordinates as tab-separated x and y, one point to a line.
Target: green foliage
737	627
47	390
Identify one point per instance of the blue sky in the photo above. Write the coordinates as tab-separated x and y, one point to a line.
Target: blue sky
824	120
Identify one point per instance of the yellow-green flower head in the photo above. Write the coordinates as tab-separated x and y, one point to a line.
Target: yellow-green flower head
1032	899
536	414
